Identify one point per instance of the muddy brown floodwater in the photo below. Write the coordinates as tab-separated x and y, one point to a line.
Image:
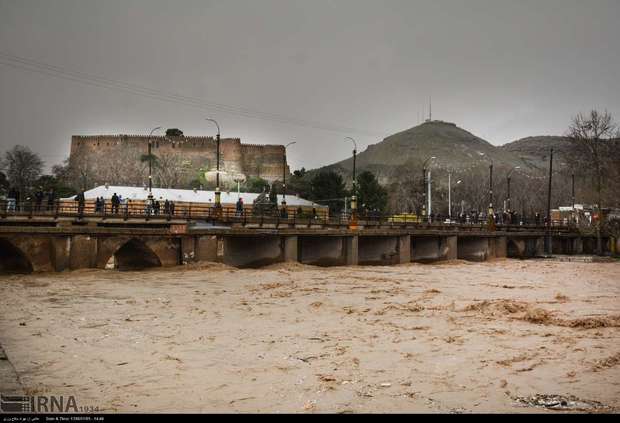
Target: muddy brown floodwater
501	336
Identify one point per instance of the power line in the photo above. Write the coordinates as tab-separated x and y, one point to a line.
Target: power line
30	65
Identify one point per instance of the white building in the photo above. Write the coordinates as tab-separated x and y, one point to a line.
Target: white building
187	196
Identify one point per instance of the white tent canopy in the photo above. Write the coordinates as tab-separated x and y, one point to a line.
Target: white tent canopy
184	195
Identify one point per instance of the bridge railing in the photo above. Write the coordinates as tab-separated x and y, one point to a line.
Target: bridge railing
229	215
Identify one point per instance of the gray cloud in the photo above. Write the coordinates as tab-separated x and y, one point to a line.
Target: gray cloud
501	69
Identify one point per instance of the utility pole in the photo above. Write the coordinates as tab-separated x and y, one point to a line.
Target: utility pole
549	241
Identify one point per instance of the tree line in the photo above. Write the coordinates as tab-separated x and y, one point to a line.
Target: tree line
593	160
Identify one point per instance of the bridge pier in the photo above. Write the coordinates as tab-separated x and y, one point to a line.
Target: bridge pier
378	250
290	248
82	252
252	251
30	249
577	245
501	246
328	250
61	250
525	247
426	249
474	248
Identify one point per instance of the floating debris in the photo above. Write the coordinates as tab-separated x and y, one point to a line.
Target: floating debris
561	402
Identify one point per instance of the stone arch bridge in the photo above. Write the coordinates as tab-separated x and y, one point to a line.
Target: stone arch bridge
74	244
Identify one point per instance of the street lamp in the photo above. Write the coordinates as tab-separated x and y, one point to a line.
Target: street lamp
218	204
426	197
508	186
354	193
150	157
450	195
491	217
284	175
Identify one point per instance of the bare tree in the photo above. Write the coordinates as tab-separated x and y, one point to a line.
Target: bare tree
23	168
591	136
170	171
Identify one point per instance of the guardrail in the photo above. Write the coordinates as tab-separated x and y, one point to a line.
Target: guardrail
229	215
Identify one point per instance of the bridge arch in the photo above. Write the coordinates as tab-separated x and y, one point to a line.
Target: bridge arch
133	254
13	259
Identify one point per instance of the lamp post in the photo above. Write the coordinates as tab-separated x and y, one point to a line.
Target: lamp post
218	204
238	179
491	213
425	188
354	193
450	195
284	175
150	157
573	190
508	186
548	237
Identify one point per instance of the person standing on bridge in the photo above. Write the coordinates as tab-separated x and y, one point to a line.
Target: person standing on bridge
12	200
38	198
167	207
115	203
80	200
156	207
239	207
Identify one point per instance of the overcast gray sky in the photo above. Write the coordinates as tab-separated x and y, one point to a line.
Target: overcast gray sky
313	71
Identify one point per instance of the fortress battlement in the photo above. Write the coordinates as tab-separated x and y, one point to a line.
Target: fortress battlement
200	152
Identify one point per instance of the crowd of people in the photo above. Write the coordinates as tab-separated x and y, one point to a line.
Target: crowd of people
39	201
500	218
118	204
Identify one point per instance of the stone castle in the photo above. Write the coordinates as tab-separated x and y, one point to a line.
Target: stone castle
196	155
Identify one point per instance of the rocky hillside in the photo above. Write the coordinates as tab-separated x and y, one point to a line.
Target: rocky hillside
454	147
535	150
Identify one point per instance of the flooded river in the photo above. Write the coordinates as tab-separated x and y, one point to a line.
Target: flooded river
505	335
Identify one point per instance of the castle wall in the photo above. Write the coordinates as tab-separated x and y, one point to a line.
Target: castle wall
116	158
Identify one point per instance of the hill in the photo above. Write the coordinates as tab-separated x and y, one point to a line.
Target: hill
535	150
454	148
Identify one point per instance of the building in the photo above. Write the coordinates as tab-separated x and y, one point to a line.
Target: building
119	159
